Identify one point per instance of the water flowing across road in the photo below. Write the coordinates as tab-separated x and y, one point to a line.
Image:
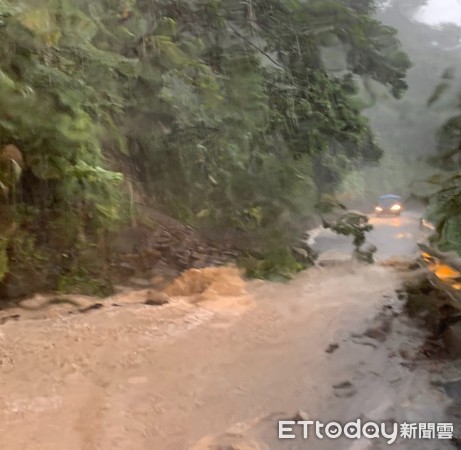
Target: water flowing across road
214	370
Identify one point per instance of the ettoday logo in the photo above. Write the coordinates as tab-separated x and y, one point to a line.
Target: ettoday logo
291	429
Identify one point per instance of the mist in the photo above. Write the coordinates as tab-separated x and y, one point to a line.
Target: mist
440	12
406	129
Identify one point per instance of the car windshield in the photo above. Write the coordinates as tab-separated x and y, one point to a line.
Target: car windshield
198	199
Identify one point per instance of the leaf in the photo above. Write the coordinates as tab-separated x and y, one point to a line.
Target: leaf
166	27
108	211
438	92
203	213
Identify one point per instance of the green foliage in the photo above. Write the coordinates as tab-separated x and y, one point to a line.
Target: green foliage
445	205
23	250
328	203
222	109
445	212
356	225
352	224
256	123
276	263
20	256
449	145
53	109
81	282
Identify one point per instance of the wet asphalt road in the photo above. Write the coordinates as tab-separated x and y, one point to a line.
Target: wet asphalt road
393	236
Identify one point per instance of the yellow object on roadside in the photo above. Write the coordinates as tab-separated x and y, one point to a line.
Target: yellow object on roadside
444	272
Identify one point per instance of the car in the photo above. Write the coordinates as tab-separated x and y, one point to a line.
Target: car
389	205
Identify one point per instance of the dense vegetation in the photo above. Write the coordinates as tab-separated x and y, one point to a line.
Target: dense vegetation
445	185
222	112
445	203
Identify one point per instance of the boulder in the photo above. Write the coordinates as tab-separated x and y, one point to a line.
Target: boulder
155	298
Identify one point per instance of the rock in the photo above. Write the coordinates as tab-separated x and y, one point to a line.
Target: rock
163	245
141	282
332	348
343	385
301	252
216	262
376	334
301	415
91	308
408	365
365	253
369	248
344	390
452	340
346	393
157	299
126	269
8	318
405	353
199	264
195	256
367	343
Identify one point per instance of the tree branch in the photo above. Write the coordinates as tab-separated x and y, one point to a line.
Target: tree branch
241	36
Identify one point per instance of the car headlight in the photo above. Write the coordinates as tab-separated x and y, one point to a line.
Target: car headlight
378	208
396	207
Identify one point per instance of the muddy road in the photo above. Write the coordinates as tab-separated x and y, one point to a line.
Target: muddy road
217	366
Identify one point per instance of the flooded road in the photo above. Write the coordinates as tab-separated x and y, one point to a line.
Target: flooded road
393	236
218	366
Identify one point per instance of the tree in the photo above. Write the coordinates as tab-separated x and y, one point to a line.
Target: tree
222	110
